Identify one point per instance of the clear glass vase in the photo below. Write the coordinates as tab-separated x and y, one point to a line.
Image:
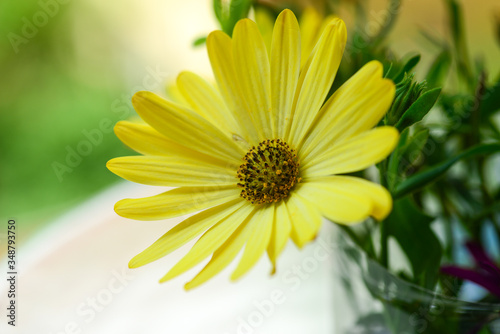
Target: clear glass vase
371	300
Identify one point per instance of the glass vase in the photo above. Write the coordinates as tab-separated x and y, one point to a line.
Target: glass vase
371	300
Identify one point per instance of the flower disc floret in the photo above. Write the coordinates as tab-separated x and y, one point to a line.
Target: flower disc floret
269	172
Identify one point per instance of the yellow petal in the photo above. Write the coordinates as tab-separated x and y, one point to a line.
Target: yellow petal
354	154
176	202
310	24
282	228
174	94
335	200
185	127
316	79
210	241
253	73
207	102
285	69
144	139
258	240
171	171
355	107
265	22
184	232
380	199
223	255
220	52
305	218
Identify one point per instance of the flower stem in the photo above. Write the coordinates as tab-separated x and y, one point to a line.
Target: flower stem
384	235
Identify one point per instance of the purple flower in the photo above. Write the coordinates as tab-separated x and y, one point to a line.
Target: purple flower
486	273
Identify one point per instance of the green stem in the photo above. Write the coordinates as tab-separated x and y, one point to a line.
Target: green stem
384	249
371	248
384	234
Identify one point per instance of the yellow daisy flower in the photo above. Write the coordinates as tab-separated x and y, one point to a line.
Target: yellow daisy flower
262	153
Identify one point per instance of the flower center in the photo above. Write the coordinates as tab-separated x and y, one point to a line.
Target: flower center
269	172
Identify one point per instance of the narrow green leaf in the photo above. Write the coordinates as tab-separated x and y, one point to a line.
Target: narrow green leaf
429	175
438	71
218	11
409	65
457	28
388	72
418	109
200	41
432	38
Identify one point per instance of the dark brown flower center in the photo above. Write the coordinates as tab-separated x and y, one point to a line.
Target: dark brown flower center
269	172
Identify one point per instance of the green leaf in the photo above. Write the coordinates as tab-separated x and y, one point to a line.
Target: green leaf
491	102
432	38
407	92
388	71
405	155
228	13
239	10
392	167
412	230
200	41
418	109
439	70
412	150
218	10
429	175
409	65
457	28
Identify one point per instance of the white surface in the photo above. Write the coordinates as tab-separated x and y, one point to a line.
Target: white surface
74	263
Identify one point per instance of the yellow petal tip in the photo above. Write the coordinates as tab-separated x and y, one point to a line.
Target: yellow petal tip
111	165
164	279
132	264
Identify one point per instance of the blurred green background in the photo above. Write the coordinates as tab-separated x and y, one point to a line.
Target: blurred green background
69	68
48	97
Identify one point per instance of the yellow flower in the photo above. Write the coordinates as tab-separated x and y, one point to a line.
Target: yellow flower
262	153
311	24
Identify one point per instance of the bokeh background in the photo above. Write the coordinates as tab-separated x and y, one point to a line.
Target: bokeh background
67	72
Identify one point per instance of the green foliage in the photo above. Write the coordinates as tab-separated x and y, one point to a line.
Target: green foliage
402	161
407	92
416	112
229	12
46	102
200	41
439	69
431	174
412	230
406	69
491	102
464	67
